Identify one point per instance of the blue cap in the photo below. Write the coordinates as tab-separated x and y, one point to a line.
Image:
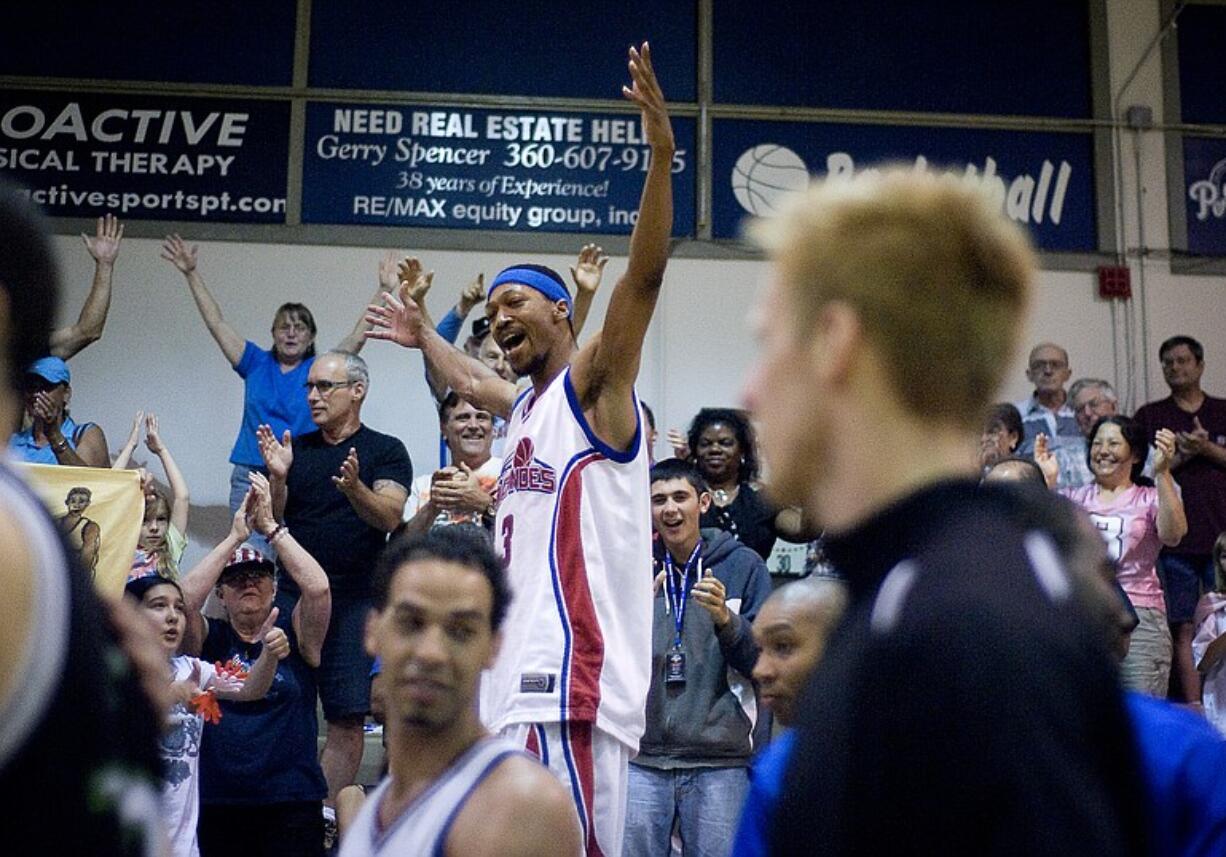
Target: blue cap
53	369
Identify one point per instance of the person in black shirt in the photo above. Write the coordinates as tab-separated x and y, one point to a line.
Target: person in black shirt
340	491
79	768
965	704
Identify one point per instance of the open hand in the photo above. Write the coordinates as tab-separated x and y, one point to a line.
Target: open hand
185	690
589	268
387	271
153	440
1193	442
644	91
1046	459
278	455
473	294
134	435
259	510
398	320
346	478
680	444
179	254
104	246
240	524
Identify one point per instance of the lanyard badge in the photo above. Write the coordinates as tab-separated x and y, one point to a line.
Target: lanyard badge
677	591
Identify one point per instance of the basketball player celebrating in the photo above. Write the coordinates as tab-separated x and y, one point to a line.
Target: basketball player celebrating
573	522
451	788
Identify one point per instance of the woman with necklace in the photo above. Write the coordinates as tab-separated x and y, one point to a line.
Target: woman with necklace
722	445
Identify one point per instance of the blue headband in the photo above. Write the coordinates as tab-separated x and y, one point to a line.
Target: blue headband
533	279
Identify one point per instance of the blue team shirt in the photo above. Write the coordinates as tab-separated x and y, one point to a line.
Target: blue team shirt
270	397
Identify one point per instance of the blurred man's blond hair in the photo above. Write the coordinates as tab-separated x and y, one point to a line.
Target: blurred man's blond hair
939	277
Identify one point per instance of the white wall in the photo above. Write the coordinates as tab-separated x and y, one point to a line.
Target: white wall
157	355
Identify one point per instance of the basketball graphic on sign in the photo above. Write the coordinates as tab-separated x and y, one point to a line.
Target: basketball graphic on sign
765	176
523	453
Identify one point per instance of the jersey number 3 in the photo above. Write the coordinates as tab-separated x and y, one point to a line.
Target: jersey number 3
508	529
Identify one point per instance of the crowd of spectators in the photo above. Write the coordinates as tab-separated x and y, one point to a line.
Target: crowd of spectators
316	494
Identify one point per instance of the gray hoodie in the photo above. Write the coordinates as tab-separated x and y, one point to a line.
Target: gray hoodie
707	721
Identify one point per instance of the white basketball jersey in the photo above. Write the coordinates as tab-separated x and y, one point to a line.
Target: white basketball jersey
423	826
574	527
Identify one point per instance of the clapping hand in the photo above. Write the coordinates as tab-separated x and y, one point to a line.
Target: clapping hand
260	515
278	455
1046	459
1193	442
1164	450
104	246
346	478
152	439
387	271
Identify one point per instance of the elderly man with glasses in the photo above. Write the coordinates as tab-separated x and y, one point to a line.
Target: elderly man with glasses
1047	411
340	490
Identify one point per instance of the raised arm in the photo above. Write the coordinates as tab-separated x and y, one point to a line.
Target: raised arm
605	369
401	320
586	274
183	257
314	609
450	328
104	247
1172	522
200	581
124	456
387	282
178	485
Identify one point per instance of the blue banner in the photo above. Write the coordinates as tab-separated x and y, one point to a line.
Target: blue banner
1204	171
528	171
1044	180
147	156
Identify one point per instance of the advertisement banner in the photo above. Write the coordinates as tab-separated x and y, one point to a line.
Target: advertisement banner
1204	170
147	156
1044	180
98	510
527	171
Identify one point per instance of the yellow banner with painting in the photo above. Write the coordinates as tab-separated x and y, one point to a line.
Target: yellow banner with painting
99	511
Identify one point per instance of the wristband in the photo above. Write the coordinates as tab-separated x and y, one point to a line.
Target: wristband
62	446
278	533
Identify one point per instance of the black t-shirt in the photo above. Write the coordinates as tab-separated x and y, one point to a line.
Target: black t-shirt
80	772
748	517
324	521
965	704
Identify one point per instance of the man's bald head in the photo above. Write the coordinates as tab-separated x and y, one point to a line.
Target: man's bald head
791	630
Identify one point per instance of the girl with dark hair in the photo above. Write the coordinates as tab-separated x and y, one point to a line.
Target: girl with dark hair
1136	518
722	445
273	378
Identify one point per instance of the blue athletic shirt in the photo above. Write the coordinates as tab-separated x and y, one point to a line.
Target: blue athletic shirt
270	397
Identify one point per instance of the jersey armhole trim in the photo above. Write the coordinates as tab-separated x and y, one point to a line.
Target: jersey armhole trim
619	456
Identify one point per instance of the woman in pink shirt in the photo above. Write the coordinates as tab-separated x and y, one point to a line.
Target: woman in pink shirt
1136	518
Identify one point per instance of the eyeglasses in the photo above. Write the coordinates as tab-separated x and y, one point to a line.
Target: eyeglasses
325	388
292	328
